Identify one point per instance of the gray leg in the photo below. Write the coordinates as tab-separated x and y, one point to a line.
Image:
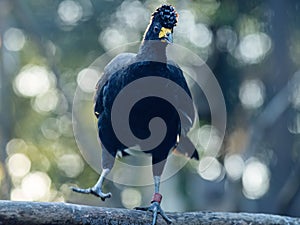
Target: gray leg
156	183
155	203
107	164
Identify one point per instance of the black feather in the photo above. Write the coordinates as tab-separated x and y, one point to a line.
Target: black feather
167	16
151	60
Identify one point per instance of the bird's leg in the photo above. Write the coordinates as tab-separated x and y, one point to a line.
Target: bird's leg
155	207
97	188
107	164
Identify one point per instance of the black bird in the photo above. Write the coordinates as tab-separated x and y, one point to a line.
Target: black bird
150	62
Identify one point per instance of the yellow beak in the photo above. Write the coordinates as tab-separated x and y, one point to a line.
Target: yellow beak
165	35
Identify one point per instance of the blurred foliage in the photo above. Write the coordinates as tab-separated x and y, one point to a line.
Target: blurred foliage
252	47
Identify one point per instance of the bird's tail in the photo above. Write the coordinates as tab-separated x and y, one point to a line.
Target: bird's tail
186	147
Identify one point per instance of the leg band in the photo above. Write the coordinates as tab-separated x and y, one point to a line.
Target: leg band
156	198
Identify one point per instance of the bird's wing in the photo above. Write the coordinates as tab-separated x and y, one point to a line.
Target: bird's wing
112	67
187	114
187	148
178	76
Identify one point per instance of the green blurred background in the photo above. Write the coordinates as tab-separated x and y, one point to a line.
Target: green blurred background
252	47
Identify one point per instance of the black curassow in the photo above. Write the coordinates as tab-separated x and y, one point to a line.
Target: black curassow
125	68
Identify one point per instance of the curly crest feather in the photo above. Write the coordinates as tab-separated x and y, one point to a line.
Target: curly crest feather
167	16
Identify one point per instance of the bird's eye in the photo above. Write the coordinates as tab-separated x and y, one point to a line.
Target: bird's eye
156	29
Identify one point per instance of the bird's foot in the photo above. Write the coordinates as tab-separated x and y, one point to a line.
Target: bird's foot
155	208
94	191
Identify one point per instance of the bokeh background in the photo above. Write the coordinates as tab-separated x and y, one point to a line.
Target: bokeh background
252	47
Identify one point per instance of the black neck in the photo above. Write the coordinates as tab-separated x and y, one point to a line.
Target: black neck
153	51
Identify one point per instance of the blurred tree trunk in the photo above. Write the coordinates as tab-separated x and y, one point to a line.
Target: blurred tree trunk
6	126
34	213
280	72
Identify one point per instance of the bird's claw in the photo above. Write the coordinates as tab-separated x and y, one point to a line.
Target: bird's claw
155	209
94	191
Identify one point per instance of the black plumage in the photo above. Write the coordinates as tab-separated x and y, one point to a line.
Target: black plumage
150	61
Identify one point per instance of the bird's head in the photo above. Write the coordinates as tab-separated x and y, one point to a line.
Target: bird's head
161	25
